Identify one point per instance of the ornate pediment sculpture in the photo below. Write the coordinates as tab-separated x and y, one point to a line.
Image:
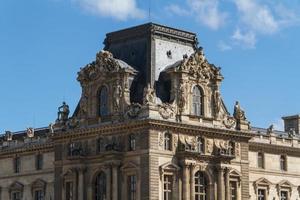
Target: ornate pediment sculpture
198	66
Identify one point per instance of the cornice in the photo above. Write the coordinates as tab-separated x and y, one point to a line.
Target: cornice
272	148
125	127
48	147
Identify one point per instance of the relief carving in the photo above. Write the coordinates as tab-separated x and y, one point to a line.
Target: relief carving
166	110
134	110
209	146
199	68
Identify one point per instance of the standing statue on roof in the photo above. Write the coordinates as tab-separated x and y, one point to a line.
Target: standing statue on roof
63	112
239	113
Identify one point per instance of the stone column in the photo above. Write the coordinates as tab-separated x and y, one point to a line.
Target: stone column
114	182
185	183
227	184
81	184
221	184
192	182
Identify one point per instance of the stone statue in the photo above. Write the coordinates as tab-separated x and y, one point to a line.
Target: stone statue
199	56
51	128
63	112
270	129
30	132
238	113
149	95
181	96
8	136
217	103
117	97
292	132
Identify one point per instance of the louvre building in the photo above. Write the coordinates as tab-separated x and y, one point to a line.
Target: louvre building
151	125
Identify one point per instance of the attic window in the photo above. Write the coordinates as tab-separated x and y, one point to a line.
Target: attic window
169	54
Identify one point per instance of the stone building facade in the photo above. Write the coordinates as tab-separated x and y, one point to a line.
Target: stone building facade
151	125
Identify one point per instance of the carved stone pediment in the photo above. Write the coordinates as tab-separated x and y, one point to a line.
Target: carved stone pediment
198	67
105	63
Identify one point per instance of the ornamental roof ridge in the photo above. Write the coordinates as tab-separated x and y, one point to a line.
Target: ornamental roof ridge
151	29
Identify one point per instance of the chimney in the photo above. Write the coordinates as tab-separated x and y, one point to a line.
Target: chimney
292	123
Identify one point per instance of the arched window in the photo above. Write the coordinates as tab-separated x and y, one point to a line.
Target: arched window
100	186
260	160
103	101
197	104
200	145
283	164
167	142
200	186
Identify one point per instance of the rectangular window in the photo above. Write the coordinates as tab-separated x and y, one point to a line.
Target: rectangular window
131	187
168	180
260	160
17	164
131	143
38	195
233	190
69	190
261	194
283	195
16	196
39	162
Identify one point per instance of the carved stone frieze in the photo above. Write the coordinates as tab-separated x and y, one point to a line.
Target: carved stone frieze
166	110
133	110
229	122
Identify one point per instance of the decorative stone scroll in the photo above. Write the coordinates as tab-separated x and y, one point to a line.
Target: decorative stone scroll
166	110
198	67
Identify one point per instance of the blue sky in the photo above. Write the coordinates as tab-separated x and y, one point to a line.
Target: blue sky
43	43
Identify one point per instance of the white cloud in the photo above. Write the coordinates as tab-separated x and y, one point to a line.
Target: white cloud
117	9
224	46
256	16
246	39
177	10
207	12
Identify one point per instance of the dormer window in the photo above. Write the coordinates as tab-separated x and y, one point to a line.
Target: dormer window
103	102
197	104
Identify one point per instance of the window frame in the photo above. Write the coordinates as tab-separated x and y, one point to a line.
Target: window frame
260	157
197	101
167	141
100	186
283	163
201	186
259	195
132	187
131	142
17	164
168	186
103	109
39	159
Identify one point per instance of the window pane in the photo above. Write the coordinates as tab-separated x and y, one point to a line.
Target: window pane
103	101
260	160
261	194
69	191
100	187
131	191
168	185
200	186
197	101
